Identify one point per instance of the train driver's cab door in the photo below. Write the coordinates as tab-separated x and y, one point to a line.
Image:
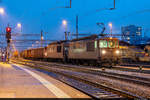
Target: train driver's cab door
66	53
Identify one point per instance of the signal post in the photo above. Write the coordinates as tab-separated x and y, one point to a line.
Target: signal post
8	38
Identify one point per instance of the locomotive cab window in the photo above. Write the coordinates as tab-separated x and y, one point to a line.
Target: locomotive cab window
58	49
95	44
103	43
113	44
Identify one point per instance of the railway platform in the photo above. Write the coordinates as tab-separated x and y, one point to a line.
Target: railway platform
18	81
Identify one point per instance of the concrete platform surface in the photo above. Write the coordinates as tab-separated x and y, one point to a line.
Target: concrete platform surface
18	81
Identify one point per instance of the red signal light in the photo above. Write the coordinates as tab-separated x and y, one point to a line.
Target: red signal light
8	29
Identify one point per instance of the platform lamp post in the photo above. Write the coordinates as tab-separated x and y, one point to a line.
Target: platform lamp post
42	38
110	25
65	24
19	26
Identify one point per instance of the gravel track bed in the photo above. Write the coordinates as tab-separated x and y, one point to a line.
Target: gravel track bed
143	75
136	89
93	91
81	75
126	76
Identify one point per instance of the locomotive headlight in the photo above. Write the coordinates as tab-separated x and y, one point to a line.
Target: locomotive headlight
117	51
103	52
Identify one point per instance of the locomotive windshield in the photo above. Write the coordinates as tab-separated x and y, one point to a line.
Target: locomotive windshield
109	43
103	44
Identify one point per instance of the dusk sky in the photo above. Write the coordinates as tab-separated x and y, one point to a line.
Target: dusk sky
35	15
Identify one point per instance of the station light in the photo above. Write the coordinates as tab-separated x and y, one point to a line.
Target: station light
1	10
64	22
19	25
110	25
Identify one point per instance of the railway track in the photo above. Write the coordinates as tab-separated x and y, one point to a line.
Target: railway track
104	91
123	77
134	68
137	65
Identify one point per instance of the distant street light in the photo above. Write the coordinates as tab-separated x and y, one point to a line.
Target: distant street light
64	22
2	11
19	25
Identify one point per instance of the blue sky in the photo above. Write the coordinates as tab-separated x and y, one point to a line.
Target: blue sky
47	15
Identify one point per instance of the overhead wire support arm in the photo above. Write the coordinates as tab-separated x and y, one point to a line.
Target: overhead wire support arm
70	3
114	5
18	34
